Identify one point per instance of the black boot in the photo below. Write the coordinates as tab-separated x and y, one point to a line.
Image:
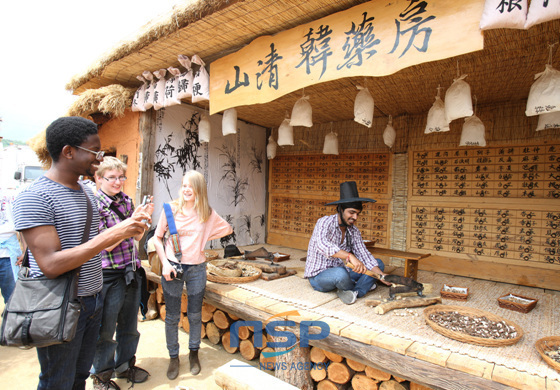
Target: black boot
133	373
193	360
173	369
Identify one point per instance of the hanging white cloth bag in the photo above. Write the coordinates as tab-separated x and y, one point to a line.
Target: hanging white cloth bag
437	120
184	88
473	132
389	134
331	143
271	148
544	95
503	14
285	133
171	87
204	129
201	82
139	95
458	101
149	95
229	121
541	11
302	113
363	107
549	120
159	89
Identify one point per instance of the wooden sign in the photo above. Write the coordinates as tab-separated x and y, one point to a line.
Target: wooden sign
377	38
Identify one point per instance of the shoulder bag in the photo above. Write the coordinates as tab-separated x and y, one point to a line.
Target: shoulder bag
43	311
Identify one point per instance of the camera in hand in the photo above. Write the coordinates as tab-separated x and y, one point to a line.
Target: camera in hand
178	268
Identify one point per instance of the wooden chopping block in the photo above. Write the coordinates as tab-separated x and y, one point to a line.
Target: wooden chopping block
275	275
265	266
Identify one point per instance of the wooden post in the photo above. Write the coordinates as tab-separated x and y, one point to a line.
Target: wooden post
300	378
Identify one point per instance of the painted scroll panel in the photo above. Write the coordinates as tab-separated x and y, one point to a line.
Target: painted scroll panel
234	167
377	38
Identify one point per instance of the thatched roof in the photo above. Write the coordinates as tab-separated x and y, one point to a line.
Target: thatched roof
502	72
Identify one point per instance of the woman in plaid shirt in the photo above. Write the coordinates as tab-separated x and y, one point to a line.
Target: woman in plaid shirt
121	284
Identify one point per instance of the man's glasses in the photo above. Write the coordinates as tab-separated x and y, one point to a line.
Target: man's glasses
98	155
113	179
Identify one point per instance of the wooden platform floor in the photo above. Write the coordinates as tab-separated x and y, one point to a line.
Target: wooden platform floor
400	342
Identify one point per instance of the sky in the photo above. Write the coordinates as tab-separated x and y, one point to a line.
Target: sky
43	44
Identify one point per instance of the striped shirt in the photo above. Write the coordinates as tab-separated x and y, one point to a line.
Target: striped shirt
125	252
46	202
326	241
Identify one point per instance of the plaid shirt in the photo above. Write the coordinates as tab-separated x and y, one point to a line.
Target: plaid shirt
325	242
125	252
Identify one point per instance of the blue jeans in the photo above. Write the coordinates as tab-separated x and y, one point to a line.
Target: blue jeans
66	366
195	278
120	315
343	279
7	281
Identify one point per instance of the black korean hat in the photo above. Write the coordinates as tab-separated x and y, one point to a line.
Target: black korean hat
349	194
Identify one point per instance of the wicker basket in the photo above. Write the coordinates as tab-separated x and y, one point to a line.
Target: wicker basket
234	280
460	336
545	344
211	254
523	307
448	294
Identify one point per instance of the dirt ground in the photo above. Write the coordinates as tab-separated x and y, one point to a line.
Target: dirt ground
19	369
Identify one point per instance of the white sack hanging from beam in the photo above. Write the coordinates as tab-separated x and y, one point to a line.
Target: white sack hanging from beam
331	143
204	129
473	132
302	113
549	120
285	133
159	89
139	96
229	122
458	101
503	14
544	96
271	148
389	134
437	120
149	95
201	82
541	11
363	107
184	90
171	88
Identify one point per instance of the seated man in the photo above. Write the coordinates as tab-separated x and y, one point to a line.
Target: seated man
336	242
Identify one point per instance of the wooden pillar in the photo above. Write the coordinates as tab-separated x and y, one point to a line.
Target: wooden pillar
147	129
298	357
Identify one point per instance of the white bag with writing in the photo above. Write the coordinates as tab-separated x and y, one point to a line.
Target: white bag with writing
541	11
437	120
363	107
302	113
458	101
331	143
184	87
389	134
139	95
204	129
473	132
285	133
271	148
149	95
503	14
544	95
549	120
171	87
229	121
159	89
201	82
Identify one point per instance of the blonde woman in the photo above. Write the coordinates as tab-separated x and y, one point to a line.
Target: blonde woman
196	224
